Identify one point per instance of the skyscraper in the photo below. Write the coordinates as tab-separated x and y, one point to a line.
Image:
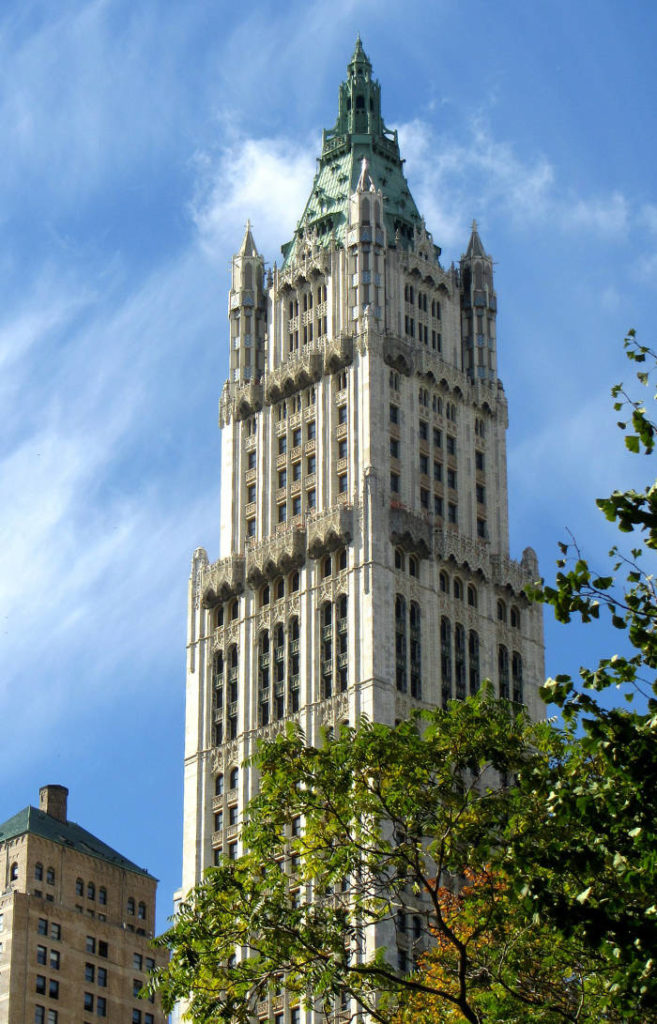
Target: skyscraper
364	554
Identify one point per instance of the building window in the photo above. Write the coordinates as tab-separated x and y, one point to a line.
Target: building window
53	989
479	461
311	430
394	483
251	527
312	498
296	506
473	652
55	932
282	445
481	528
38	872
452	515
472	595
41	955
90	944
219	785
79	887
394	413
39	1014
516	677
13	872
101	1007
401	643
326	620
342	483
515	618
446	659
136	1014
503	672
312	464
394	448
251	460
451	445
282	513
103	949
501	611
41	984
416	650
451	479
459	661
424	430
234	777
102	896
54	959
131	906
42	925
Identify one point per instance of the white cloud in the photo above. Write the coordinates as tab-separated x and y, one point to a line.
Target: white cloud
453	178
265	180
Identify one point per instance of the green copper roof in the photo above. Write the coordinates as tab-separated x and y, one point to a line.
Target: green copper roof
66	833
359	132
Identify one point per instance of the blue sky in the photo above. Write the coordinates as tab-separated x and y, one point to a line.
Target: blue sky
136	141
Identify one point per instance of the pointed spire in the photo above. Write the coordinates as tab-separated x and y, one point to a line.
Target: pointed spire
359	56
475	248
248	246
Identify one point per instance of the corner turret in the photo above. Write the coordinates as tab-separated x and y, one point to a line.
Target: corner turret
478	311
247	312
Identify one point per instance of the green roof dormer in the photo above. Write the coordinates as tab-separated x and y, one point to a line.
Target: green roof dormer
359	131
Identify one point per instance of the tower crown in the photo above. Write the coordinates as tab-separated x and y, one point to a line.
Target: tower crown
359	132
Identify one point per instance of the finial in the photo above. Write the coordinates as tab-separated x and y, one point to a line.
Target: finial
474	224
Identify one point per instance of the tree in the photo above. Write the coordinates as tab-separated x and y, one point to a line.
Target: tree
593	873
376	827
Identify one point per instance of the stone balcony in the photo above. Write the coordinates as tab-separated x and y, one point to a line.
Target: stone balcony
239	401
222	580
330	529
296	373
410	531
338	352
277	555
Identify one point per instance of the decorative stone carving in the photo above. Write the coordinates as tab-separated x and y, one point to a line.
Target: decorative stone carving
276	556
222	580
464	551
410	532
296	373
507	573
238	401
338	352
329	530
398	354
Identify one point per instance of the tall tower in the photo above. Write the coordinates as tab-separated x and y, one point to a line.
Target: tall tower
364	554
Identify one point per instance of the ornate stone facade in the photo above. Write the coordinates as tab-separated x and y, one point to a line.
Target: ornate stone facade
364	556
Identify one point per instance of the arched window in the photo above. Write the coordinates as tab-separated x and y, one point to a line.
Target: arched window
446	658
341	611
399	559
458	589
501	611
263	677
459	660
91	891
416	650
219	616
326	647
131	906
264	595
472	595
516	678
248	276
234	609
50	876
326	567
79	887
219	784
413	566
294	582
234	777
515	617
279	671
365	204
102	896
503	671
342	558
13	872
280	589
473	652
293	664
400	643
444	583
38	872
141	911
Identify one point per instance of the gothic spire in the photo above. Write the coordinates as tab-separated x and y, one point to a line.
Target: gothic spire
248	246
475	248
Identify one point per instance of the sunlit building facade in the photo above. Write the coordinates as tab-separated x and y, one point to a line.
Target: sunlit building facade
364	562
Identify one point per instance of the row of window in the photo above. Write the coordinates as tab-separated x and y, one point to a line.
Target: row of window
422	301
39	874
233	781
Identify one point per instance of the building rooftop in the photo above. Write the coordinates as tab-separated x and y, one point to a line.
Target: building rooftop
66	833
359	132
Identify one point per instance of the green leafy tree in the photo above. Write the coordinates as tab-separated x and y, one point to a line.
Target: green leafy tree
593	871
372	828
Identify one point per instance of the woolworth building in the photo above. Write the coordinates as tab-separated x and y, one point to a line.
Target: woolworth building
364	562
